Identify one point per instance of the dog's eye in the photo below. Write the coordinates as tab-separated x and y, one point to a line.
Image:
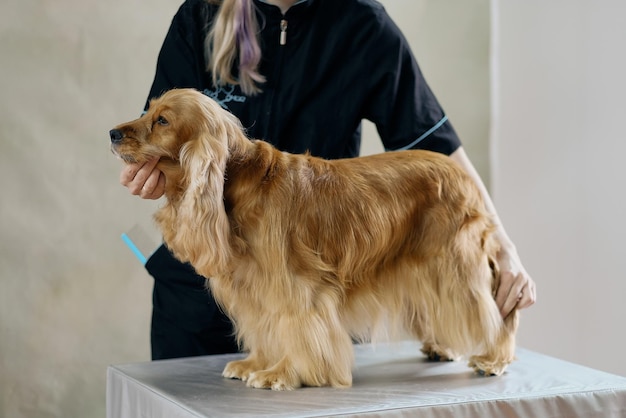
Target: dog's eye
162	121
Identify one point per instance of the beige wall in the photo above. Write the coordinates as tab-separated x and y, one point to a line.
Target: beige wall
73	299
559	171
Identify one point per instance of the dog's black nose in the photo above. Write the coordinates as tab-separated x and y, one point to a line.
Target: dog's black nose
116	135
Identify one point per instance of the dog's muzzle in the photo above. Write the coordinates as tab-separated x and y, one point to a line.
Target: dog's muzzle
116	136
116	140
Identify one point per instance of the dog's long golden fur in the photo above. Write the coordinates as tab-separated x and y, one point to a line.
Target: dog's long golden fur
305	254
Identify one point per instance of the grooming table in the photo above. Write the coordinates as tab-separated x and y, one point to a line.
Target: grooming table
390	380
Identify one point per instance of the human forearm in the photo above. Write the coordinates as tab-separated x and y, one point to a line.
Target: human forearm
461	158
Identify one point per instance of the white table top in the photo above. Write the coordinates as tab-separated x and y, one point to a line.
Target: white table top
388	380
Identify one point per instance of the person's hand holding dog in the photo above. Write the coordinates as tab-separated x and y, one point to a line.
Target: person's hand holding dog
144	179
517	288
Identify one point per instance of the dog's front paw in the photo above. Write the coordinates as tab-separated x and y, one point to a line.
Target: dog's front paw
240	369
269	379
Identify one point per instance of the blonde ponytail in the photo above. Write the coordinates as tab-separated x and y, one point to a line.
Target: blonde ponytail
233	38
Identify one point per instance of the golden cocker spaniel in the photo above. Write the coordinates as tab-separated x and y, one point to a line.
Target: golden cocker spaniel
306	254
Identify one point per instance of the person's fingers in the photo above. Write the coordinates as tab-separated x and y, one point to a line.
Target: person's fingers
154	186
528	296
511	292
134	176
128	173
504	288
160	189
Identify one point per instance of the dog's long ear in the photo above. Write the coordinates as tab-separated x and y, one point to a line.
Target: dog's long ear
204	230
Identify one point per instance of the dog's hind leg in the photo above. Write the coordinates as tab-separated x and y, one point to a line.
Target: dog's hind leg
418	325
500	351
499	355
435	352
458	314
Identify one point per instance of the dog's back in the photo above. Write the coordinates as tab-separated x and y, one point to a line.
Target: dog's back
353	214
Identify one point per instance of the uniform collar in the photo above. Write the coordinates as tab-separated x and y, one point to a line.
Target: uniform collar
295	4
299	5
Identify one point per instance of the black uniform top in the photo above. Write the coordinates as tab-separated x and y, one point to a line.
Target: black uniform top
343	61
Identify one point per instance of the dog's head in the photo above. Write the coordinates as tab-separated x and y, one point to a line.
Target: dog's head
170	127
191	135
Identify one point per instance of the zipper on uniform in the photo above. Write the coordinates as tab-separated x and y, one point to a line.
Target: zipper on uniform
283	32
